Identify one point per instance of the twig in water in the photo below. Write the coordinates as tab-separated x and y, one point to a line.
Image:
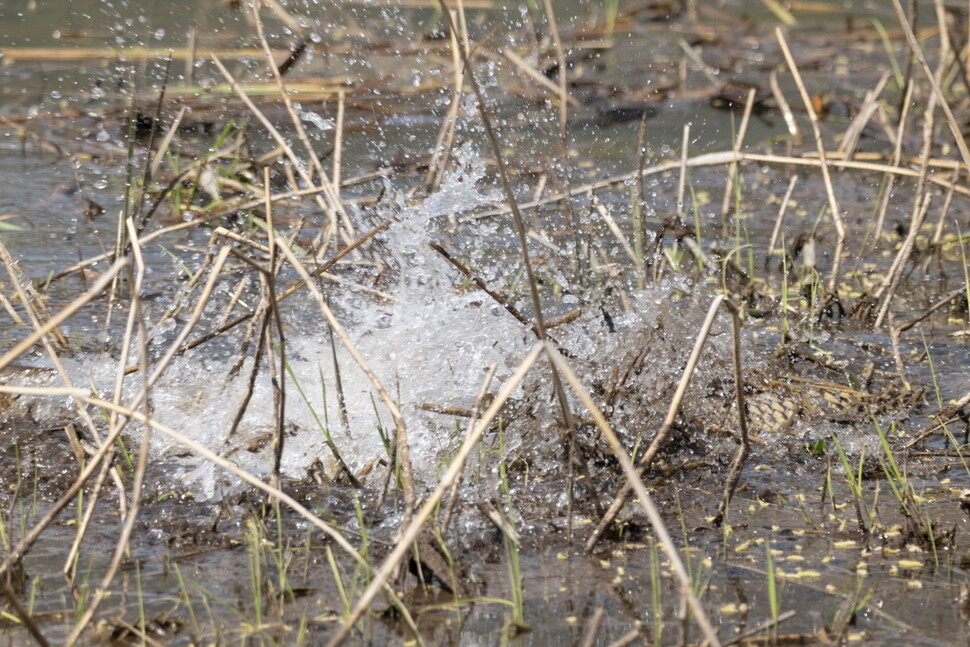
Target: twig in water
738	463
413	528
665	428
826	176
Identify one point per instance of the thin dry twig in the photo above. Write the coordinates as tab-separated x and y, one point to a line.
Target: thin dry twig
826	176
665	428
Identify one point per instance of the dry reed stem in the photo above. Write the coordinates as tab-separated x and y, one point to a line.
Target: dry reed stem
732	173
940	419
523	66
728	157
446	133
135	319
564	98
682	176
413	528
520	230
400	428
210	456
332	208
32	303
833	283
614	228
850	140
593	626
737	464
483	286
64	313
626	639
445	518
23	613
915	49
338	142
891	280
890	180
632	475
779	219
665	428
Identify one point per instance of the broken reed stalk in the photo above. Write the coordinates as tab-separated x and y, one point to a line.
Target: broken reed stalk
632	476
520	230
833	283
400	429
890	178
728	157
229	467
778	220
561	62
332	207
299	285
737	465
682	176
915	49
279	378
893	276
732	175
446	133
665	428
476	411
414	526
135	320
483	286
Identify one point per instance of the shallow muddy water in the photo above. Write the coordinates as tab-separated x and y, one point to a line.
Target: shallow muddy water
838	531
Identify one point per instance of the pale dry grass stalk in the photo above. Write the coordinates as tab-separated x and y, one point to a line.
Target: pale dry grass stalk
564	98
917	51
850	140
614	228
890	283
890	178
728	157
682	176
632	475
620	499
331	207
413	528
732	174
338	142
446	133
833	283
779	218
135	320
527	69
403	453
